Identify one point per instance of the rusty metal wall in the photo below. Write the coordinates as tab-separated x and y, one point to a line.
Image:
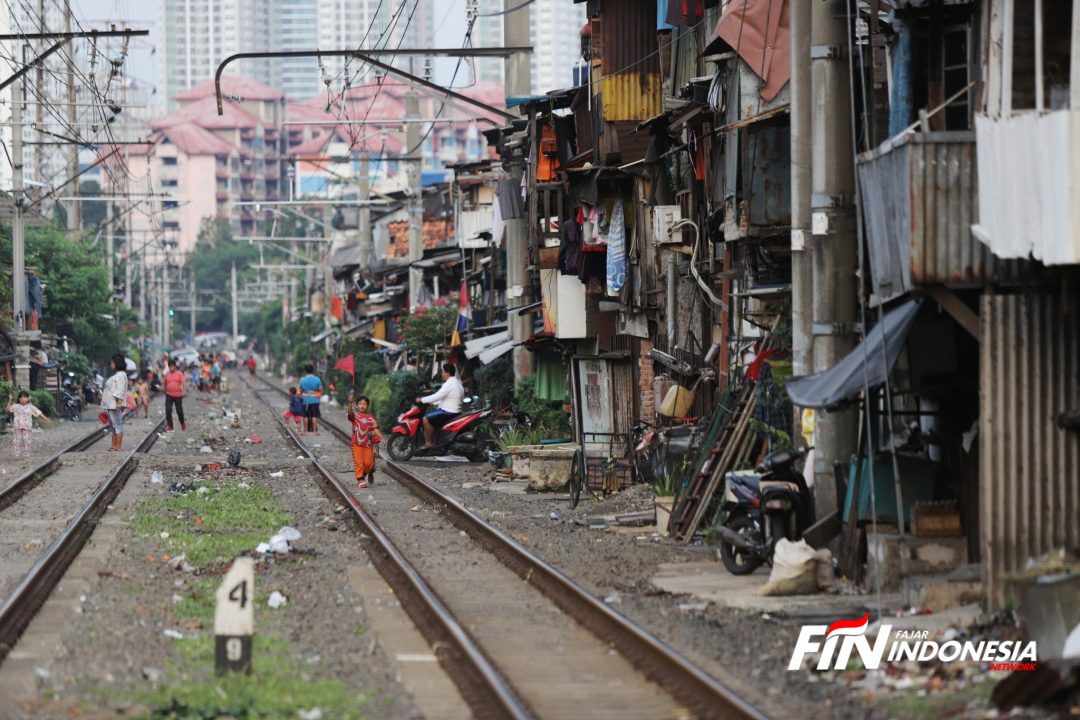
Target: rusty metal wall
920	198
631	86
1029	472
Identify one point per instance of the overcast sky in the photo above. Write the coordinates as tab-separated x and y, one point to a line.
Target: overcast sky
143	62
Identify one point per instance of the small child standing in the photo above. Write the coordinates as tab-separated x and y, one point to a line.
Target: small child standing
296	409
365	437
24	413
142	395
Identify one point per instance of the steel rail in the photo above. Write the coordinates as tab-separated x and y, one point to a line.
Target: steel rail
20	606
488	693
32	477
706	696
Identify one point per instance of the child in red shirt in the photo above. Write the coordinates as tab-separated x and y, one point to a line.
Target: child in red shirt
365	437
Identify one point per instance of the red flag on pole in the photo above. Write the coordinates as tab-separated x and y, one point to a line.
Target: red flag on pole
347	364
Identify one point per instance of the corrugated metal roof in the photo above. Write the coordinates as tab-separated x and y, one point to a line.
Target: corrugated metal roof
631	96
631	86
1029	482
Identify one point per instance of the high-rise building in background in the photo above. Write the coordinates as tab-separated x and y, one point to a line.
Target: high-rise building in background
555	32
199	34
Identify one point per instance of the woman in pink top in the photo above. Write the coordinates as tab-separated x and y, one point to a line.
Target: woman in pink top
175	390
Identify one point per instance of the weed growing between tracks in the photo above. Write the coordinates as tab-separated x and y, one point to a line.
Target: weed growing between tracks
210	529
279	686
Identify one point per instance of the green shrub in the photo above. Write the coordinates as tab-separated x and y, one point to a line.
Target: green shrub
77	363
7	394
378	392
548	416
44	401
404	387
427	328
496	382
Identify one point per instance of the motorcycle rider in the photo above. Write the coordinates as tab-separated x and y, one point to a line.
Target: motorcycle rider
447	400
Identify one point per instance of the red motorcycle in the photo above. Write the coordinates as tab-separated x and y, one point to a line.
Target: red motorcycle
468	434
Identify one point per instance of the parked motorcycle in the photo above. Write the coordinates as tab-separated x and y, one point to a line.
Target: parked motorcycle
762	507
468	434
71	401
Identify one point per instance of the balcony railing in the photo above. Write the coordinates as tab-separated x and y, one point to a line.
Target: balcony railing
920	198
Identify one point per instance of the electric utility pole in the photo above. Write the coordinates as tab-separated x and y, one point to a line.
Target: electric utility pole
834	241
416	200
519	285
367	244
802	268
194	299
235	322
73	161
18	239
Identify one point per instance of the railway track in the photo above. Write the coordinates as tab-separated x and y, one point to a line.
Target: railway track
30	479
33	588
543	648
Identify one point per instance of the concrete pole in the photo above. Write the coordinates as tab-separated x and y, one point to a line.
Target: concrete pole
109	249
194	300
416	200
39	107
166	295
129	252
367	243
517	68
18	240
834	240
235	318
802	268
144	292
327	273
73	158
518	78
18	225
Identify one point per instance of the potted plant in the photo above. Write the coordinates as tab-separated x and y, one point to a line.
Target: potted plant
664	500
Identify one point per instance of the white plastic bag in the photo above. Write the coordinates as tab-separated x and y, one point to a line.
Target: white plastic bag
289	533
279	544
794	570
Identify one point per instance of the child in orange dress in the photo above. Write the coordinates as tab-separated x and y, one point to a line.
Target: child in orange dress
365	438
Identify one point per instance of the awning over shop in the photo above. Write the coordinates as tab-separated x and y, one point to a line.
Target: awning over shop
496	351
866	365
476	346
446	259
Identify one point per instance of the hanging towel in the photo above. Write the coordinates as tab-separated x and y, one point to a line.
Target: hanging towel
616	250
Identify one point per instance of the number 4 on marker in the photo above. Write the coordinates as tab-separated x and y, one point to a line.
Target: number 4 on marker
239	594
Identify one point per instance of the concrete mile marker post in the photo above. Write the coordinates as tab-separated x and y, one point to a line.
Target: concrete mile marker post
234	618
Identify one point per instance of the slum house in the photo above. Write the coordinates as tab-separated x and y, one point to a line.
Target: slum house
655	203
966	371
371	276
478	226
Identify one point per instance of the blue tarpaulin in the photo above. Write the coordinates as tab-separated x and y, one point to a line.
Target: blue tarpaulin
865	366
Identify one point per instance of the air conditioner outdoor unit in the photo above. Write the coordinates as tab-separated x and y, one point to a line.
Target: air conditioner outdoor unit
664	217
